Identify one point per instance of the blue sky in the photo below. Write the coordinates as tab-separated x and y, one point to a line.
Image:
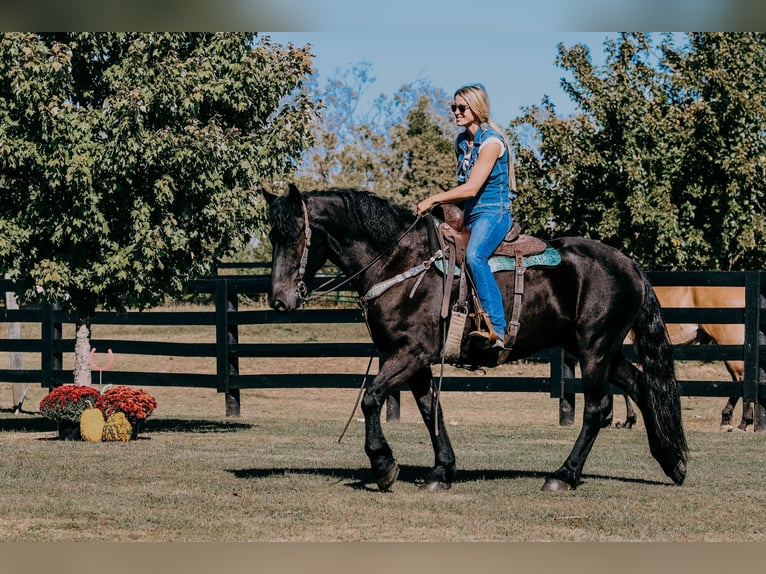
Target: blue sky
518	68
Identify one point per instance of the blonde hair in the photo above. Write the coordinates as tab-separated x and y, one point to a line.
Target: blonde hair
477	99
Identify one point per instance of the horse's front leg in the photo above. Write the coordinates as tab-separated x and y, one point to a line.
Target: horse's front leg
630	414
393	373
443	472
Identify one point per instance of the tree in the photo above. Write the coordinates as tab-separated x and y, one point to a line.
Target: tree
664	158
422	152
398	147
128	161
606	172
720	81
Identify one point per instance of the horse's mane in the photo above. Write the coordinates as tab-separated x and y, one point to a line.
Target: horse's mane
363	213
382	220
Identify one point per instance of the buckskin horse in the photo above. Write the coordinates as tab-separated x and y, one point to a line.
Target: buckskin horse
718	333
585	304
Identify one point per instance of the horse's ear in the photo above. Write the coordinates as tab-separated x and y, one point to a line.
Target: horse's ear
295	197
294	192
269	197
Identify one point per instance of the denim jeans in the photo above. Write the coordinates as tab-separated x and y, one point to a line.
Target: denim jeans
488	226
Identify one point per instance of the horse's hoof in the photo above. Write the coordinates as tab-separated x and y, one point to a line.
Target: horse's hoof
435	486
554	484
387	481
726	428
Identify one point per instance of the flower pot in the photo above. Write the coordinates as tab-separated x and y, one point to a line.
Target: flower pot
69	430
135	425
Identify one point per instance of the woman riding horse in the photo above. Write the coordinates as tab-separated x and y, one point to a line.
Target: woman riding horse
586	304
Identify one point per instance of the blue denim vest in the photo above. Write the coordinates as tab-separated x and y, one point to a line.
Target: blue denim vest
494	193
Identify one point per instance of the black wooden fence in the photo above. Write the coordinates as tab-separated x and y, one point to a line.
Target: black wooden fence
225	293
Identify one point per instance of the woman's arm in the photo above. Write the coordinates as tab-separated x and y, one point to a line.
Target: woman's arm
488	155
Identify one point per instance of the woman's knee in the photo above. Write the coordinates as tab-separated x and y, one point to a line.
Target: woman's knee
475	257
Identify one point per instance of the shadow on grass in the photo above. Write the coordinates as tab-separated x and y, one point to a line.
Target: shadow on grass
362	478
41	424
192	426
22	411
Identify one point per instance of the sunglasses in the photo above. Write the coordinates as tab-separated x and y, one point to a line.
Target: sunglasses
461	107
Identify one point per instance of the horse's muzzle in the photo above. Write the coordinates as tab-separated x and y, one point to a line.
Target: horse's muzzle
285	302
278	305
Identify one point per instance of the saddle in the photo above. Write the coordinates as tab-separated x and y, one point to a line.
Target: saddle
453	238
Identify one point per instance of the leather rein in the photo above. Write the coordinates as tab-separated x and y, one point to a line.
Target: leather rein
377	289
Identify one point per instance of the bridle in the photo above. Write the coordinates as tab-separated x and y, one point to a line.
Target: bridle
300	283
302	288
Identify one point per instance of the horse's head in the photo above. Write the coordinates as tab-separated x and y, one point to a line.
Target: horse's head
296	256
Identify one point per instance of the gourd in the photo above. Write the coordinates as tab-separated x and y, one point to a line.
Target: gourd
117	428
92	424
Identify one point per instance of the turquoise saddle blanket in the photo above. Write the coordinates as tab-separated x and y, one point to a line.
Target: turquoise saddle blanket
548	258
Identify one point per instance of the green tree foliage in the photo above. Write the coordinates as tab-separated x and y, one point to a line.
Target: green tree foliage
400	148
128	161
422	154
721	80
664	160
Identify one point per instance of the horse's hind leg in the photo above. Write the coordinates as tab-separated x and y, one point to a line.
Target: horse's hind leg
596	410
737	371
747	415
443	472
630	415
727	412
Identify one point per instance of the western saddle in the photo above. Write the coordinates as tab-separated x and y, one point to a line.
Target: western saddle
453	238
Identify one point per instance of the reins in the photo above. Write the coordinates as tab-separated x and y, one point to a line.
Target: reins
302	289
377	290
305	297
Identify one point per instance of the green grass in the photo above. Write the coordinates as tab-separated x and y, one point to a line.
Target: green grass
278	474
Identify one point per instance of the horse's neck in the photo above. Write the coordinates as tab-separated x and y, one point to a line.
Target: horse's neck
357	252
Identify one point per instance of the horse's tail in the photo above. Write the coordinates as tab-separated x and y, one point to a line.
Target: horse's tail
659	391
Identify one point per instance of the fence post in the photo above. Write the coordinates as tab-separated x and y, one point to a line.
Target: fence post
14	332
751	343
226	336
394	399
561	371
759	407
50	360
759	402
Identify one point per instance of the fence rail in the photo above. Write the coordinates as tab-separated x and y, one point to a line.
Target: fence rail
225	291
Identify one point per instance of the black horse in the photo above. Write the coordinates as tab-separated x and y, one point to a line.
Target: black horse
586	305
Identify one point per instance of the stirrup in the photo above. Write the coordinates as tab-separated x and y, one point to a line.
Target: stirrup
487	339
487	336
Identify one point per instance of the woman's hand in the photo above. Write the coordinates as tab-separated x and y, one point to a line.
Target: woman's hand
424	206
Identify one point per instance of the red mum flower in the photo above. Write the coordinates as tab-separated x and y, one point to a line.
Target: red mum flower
67	402
134	403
